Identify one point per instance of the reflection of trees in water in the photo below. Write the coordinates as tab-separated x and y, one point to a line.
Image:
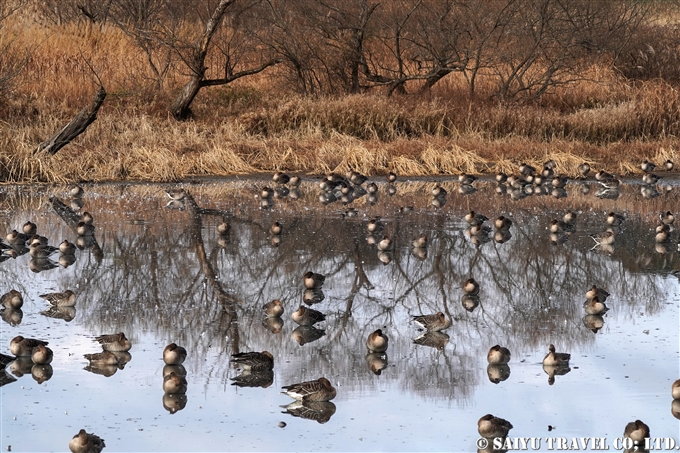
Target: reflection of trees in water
165	272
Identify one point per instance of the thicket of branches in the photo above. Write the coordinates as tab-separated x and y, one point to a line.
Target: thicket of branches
522	49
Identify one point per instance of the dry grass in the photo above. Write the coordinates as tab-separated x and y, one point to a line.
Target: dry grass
253	126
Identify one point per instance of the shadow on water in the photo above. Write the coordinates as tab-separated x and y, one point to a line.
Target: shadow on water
163	273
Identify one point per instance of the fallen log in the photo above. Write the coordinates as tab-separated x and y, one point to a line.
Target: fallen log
75	127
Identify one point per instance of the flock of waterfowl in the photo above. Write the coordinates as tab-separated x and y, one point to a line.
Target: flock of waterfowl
313	397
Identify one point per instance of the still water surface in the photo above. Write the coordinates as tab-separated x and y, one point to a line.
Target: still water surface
164	275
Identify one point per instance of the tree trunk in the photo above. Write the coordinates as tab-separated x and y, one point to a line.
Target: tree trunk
180	108
75	127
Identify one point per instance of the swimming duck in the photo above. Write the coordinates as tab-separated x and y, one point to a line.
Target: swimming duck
276	228
76	192
312	280
668	218
637	431
675	390
173	383
600	293
491	427
501	178
439	191
12	299
569	218
473	218
668	165
605	238
377	341
42	355
280	178
23	347
595	307
471	287
556	358
63	299
29	228
273	309
104	358
254	361
67	248
174	355
498	355
391	177
433	323
319	390
502	223
86	443
420	241
37	250
466	179
306	316
116	342
615	219
650	178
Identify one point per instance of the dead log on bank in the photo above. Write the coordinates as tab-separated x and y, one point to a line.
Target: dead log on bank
75	127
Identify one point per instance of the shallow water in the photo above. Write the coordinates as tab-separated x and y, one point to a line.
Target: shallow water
163	275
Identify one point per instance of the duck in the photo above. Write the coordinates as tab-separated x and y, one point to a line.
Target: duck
23	347
86	443
307	316
491	427
466	179
174	383
76	192
502	223
637	431
584	169
42	355
84	229
650	178
439	191
603	175
12	299
595	307
647	166
372	188
104	358
569	218
473	218
391	177
385	244
662	236
668	165
276	228
471	287
273	309
377	341
498	355
116	342
558	226
14	237
595	291
174	355
63	299
526	169
280	178
86	217
433	323
668	218
312	280
254	361
375	225
29	228
37	250
675	390
223	229
615	219
67	248
420	242
357	178
319	390
605	238
556	358
294	181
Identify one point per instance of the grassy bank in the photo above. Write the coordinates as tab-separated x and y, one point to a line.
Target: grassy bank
259	125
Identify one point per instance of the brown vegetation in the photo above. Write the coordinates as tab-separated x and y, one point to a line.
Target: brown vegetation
328	86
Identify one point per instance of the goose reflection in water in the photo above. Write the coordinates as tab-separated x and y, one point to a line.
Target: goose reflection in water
174	402
435	340
319	411
498	373
376	361
12	316
273	324
593	322
307	334
65	313
249	378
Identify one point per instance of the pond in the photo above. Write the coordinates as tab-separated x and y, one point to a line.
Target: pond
157	270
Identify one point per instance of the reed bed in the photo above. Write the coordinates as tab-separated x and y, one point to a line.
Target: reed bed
258	124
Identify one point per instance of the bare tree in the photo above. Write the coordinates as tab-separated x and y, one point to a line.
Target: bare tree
194	54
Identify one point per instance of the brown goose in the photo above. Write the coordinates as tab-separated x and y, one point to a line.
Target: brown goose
254	361
319	390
